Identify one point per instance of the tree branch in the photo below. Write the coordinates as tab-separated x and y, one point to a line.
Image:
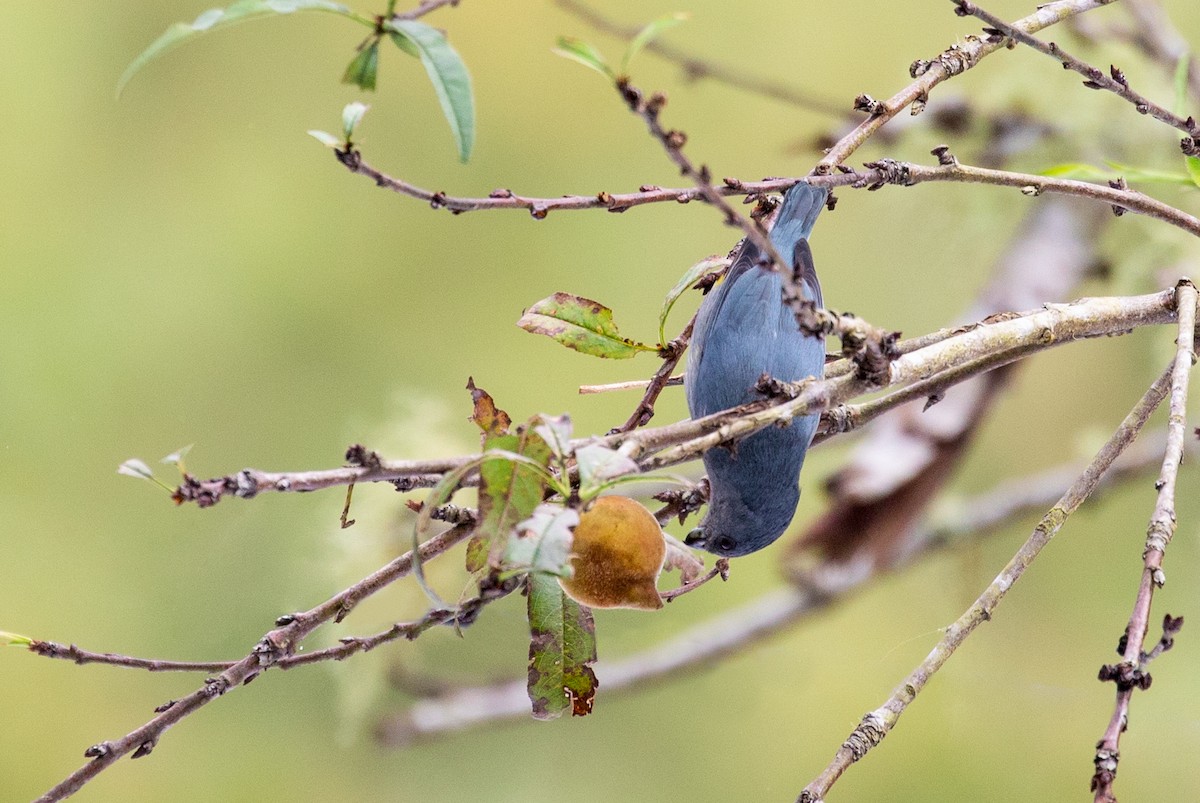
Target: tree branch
739	628
1115	82
659	447
957	59
908	174
1130	673
878	723
275	646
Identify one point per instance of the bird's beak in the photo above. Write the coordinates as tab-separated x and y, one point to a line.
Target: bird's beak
695	538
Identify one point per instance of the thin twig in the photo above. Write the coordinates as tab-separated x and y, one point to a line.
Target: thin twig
719	569
878	723
697	68
1114	81
1155	35
878	173
633	384
973	516
928	74
849	417
662	377
672	141
1130	673
272	648
539	208
424	8
908	174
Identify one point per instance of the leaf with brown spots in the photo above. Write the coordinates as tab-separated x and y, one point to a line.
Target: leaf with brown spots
562	647
508	494
580	324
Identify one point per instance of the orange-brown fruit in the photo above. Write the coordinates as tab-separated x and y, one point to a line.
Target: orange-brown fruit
617	555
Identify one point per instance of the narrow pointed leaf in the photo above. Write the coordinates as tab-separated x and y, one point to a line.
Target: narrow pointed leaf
580	324
362	71
1182	68
562	648
216	18
325	138
448	74
509	493
689	277
136	468
648	34
1149	175
1086	172
14	639
583	52
1193	167
1079	171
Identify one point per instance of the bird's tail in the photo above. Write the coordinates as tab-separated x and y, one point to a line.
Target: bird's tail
801	205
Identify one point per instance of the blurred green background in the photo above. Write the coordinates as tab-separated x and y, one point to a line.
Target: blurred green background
185	265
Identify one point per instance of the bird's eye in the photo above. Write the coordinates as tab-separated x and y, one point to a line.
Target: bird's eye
723	544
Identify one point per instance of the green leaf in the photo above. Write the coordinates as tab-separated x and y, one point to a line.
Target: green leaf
1078	171
14	639
1134	173
215	18
352	115
543	542
325	138
580	324
648	34
583	52
438	495
562	647
447	73
1085	172
509	494
1148	175
1182	67
599	464
363	69
689	277
1193	167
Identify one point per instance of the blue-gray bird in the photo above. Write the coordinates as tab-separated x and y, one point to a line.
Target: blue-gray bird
743	330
